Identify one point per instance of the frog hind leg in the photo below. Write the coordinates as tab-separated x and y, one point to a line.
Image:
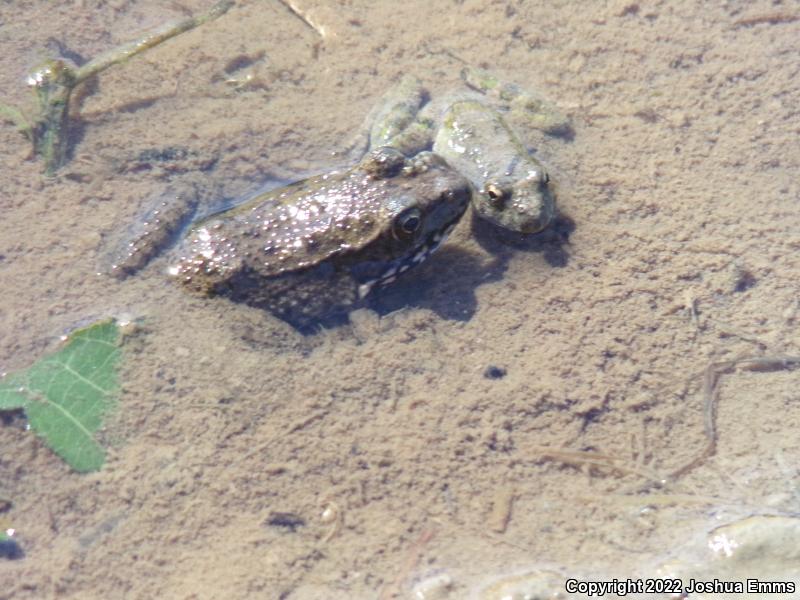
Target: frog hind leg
526	106
398	109
415	138
394	112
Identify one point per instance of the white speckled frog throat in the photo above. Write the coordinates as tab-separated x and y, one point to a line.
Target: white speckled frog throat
400	265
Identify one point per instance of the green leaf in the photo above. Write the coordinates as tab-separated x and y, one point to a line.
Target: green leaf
13	114
66	395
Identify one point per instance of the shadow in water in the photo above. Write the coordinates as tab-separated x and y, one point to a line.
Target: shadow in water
502	243
445	284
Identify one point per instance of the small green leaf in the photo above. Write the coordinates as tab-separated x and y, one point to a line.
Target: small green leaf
65	395
13	114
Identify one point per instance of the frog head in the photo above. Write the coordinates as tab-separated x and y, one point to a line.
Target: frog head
525	204
424	199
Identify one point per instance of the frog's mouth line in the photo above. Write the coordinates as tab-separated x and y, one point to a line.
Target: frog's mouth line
401	265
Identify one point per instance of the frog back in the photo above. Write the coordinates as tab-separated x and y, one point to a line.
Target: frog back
292	228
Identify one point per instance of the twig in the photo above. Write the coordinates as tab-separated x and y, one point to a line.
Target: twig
711	379
54	81
409	566
502	505
768	19
597	459
304	17
149	40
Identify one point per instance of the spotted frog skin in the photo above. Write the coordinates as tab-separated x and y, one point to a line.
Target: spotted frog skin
510	187
318	246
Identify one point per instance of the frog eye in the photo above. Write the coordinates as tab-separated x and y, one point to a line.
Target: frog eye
407	223
496	193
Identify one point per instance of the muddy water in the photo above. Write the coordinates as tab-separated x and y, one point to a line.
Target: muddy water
514	403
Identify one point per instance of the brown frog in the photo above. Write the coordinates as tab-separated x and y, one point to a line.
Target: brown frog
318	246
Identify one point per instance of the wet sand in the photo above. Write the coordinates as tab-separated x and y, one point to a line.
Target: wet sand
513	403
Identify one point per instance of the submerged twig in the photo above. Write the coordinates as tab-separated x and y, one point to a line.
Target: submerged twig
149	40
304	16
711	379
766	19
597	459
54	81
412	558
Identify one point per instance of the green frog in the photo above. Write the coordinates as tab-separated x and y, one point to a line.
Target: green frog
317	247
511	188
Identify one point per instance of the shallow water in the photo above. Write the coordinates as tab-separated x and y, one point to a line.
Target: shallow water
512	404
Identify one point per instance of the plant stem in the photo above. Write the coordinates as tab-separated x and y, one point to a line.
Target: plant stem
54	81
